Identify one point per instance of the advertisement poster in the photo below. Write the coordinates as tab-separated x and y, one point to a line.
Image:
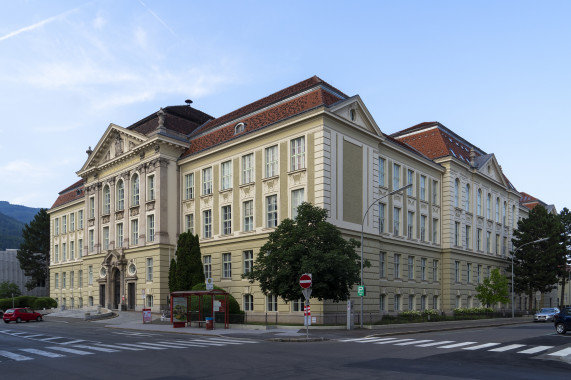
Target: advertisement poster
179	307
147	317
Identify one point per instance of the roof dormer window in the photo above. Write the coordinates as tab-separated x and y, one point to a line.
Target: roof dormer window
239	128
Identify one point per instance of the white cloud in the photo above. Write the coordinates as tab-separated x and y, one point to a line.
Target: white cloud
99	22
35	26
140	37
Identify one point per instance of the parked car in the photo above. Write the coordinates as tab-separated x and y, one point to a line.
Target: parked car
546	314
20	314
562	321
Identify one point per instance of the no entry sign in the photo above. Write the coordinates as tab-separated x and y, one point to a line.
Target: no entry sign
305	280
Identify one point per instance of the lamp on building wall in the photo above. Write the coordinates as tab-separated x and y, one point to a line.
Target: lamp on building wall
362	227
513	254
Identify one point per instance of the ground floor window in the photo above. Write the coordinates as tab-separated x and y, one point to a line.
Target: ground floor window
297	305
248	302
272	303
90	300
149	300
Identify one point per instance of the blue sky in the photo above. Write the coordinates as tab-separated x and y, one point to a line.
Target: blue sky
495	72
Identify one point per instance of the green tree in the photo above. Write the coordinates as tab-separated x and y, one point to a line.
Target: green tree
539	266
34	252
172	276
565	218
494	289
9	290
189	270
308	244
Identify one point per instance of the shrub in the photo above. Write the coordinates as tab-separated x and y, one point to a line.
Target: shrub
5	303
24	301
44	302
431	312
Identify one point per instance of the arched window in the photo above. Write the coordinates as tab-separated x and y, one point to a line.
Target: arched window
479	203
135	190
120	195
497	209
468	195
489	206
504	210
457	193
106	200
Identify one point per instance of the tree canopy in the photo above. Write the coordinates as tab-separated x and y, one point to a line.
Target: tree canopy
565	218
34	252
538	266
9	290
494	289
187	271
308	244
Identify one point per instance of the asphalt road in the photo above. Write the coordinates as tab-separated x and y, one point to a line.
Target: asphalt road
76	349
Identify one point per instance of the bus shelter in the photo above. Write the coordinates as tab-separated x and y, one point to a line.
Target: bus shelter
199	306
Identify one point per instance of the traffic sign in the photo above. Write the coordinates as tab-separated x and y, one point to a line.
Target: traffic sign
361	290
305	280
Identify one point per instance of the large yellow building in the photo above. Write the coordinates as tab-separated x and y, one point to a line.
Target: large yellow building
232	179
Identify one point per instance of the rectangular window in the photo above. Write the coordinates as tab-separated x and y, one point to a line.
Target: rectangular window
80	279
248	168
411	302
135	232
457	234
410	225
396	221
71	250
467	238
381	218
119	235
272	302
272	211
397	265
72	222
90	275
71	279
396	176
189	223
422	188
271	161
57	280
226	265
488	242
423	228
457	271
248	261
106	238
135	190
397	302
479	239
151	227
120	195
479	274
505	246
248	302
80	219
64	252
298	153
497	210
297	198
411	267
467	199
469	273
149	300
56	253
435	302
409	181
479	202
92	207
80	248
207	223
434	270
208	266
382	264
226	220
381	171
91	237
151	188
434	192
64	224
423	269
149	269
226	173
435	230
497	244
207	181
422	303
189	186
63	280
382	303
248	208
56	226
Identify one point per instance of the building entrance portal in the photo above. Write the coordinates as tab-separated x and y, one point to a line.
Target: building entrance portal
131	295
116	288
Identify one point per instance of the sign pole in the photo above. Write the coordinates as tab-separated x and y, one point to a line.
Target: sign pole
305	281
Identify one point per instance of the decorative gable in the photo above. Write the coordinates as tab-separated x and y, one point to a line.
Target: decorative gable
354	110
489	167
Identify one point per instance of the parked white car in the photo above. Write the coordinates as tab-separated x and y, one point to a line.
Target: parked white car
546	314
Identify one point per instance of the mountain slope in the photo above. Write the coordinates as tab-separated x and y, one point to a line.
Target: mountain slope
20	213
10	232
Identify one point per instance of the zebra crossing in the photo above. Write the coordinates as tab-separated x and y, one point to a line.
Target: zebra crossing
43	337
60	351
469	346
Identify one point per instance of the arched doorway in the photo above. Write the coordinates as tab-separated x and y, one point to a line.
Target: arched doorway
116	288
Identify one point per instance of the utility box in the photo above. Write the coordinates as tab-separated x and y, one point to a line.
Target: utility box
350	316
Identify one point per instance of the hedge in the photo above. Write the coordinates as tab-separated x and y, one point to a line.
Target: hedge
28	301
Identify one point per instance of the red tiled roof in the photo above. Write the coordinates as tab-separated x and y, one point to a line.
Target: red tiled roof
317	97
70	194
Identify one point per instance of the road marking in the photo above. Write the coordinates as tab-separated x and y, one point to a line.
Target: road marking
564	352
70	350
52	338
15	357
122	347
95	348
144	345
32	336
458	345
485	345
435	343
535	350
42	353
364	340
136	334
393	341
73	341
414	342
187	344
232	340
507	348
203	341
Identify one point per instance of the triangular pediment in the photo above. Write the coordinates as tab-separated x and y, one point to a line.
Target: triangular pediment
115	142
488	166
355	111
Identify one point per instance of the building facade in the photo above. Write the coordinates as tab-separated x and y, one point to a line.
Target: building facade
232	179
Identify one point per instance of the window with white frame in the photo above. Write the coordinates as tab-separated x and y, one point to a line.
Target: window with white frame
422	303
422	188
248	304
271	211
411	302
207	223
64	224
151	187
423	269
489	206
488	242
469	273
271	156
382	208
479	274
497	244
248	168
90	275
56	226
106	200
513	217
151	227
504	210
397	265
434	230
91	237
56	253
226	174
410	225
135	232
57	280
467	238
467	199
297	198
457	193
72	250
435	302
91	207
149	269
479	239
135	190
80	248
120	195
396	221
298	153
189	223
297	305
397	302
272	302
411	267
423	228
396	176
383	302
80	219
226	265
248	261
119	235
149	300
457	271
435	192
63	280
106	238
434	270
409	181
64	252
382	169
72	221
207	266
382	264
248	209
479	203
207	181
226	220
457	234
80	279
497	209
189	186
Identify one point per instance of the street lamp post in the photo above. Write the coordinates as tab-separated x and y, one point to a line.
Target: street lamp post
513	254
362	228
